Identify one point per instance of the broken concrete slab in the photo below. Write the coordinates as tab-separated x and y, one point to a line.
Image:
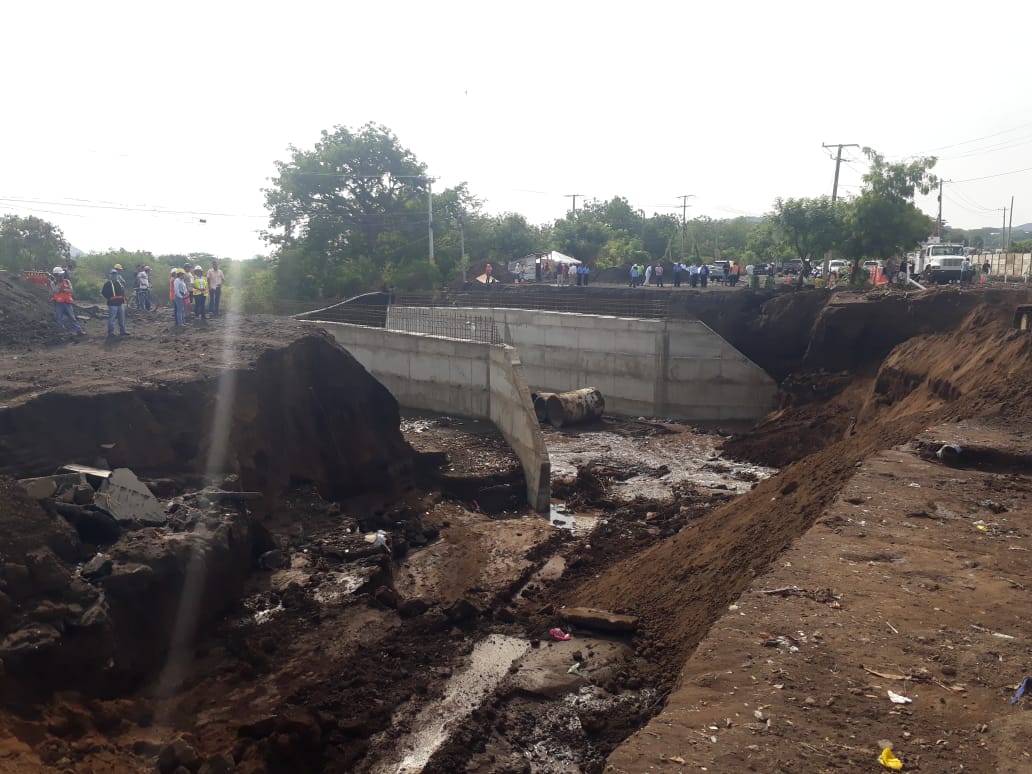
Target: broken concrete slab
87	470
39	488
602	620
129	500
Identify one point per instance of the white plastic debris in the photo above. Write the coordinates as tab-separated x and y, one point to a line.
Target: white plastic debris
896	698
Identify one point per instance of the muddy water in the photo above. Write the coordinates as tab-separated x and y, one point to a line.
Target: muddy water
466	690
658	461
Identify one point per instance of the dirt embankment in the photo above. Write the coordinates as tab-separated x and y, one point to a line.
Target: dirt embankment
977	366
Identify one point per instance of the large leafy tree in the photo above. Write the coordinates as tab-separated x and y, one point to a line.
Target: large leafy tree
30	243
883	220
811	227
348	203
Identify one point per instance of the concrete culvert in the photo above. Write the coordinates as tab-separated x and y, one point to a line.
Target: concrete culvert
575	407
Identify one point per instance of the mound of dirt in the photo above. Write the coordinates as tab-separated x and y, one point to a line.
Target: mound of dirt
680	586
26	312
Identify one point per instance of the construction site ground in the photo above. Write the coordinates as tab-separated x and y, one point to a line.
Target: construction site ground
871	535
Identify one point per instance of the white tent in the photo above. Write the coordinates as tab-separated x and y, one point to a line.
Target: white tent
557	257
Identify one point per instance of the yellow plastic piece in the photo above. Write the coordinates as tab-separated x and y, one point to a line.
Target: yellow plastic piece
889	760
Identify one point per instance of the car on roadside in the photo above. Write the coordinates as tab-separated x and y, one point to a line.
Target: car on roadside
792	266
838	267
759	269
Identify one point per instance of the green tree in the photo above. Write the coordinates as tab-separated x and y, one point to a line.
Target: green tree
349	200
811	227
883	220
581	236
30	243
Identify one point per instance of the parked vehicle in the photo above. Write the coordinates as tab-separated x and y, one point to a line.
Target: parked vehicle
792	266
759	269
838	267
940	263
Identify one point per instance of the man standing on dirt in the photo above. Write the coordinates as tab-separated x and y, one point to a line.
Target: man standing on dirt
64	307
659	274
114	292
180	292
200	293
215	280
704	274
143	288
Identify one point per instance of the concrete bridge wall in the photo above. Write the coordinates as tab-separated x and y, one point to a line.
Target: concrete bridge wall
665	368
464	378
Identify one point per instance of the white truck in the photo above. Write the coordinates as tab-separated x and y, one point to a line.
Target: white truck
939	263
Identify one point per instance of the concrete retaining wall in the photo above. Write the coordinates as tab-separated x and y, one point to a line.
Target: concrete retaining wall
464	378
1010	266
666	368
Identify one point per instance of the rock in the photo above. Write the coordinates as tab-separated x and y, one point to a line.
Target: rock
217	764
175	754
809	701
129	579
410	608
55	612
17	580
387	596
47	572
129	500
91	524
461	610
602	620
83	494
39	488
28	640
276	559
6	608
96	568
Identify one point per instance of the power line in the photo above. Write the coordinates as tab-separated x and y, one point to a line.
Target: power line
125	208
990	177
838	162
965	142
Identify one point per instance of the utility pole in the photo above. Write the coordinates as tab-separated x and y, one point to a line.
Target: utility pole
430	216
574	197
1003	231
838	163
938	222
684	218
642	228
462	248
1010	224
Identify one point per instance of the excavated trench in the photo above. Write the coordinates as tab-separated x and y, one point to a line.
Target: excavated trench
284	634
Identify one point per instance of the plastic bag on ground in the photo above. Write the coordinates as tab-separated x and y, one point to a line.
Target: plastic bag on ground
559	635
889	760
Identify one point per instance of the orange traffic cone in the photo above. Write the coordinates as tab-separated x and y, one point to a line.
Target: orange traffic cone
982	280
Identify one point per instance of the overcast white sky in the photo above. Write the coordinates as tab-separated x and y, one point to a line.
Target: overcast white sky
184	106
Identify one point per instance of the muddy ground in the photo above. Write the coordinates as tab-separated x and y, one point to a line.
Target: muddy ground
777	581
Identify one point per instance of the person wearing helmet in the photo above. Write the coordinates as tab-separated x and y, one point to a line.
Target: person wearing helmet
180	292
199	291
64	308
143	300
114	292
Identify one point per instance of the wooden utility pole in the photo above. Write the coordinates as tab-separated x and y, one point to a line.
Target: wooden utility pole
1010	223
430	216
684	218
574	197
938	221
838	163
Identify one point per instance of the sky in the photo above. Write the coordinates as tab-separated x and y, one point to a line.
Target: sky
127	123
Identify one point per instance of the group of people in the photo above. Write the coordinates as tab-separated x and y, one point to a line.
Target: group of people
186	286
697	276
572	274
195	288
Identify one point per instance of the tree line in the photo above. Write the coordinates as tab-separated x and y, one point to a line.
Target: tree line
351	213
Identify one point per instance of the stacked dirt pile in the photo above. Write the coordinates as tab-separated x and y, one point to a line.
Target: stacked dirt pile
976	366
26	312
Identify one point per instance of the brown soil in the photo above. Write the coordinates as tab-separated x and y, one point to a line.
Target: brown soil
319	651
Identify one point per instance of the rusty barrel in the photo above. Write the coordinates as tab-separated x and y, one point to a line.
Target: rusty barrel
540	401
575	407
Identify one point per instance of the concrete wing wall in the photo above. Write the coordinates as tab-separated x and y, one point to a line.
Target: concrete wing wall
510	399
464	378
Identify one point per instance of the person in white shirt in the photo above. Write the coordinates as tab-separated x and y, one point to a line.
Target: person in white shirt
143	299
180	292
215	280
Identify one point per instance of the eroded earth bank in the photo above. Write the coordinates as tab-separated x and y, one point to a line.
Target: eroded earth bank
322	582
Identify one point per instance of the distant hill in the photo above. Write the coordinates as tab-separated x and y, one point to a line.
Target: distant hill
1025	227
75	252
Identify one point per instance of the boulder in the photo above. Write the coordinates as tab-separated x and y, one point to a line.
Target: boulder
28	640
176	754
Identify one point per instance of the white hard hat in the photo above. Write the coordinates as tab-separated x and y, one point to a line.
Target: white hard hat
174	272
58	270
197	268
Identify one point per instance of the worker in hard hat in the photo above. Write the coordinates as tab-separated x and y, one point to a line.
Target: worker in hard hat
180	292
199	291
64	307
114	292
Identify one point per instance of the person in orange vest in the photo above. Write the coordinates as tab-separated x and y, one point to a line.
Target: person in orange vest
199	291
64	308
114	292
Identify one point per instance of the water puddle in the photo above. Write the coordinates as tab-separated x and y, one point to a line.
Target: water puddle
466	690
657	463
563	518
